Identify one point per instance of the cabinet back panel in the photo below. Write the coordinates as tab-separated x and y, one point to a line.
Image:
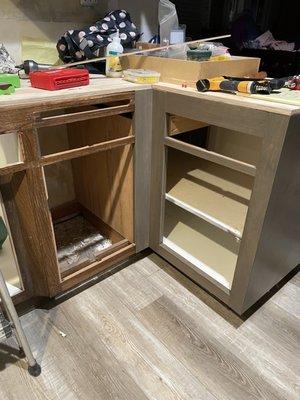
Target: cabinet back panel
104	181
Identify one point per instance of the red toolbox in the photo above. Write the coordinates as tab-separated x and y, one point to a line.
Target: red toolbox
57	79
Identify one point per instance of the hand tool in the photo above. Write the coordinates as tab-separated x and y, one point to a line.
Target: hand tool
30	66
232	86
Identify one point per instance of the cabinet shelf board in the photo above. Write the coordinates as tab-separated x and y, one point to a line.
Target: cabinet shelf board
208	248
203	268
208	218
216	191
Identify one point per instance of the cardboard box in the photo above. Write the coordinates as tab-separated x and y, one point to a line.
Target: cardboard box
146	46
189	72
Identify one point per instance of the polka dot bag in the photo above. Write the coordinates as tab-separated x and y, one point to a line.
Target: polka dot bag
79	45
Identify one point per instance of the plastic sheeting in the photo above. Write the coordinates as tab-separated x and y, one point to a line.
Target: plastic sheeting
77	240
7	64
168	19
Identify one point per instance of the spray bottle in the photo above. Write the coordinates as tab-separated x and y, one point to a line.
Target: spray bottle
113	50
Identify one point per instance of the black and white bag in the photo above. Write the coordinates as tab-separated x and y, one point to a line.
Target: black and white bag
87	43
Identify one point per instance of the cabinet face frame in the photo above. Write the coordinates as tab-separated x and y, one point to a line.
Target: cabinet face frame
271	128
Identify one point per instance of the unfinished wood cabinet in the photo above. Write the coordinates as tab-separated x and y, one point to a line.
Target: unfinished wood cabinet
70	190
223	208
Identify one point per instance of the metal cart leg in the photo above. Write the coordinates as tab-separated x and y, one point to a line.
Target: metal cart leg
33	367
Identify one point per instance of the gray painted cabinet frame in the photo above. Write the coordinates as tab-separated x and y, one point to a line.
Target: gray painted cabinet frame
270	245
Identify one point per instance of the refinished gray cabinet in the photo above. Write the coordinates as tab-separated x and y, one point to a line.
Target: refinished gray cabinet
226	192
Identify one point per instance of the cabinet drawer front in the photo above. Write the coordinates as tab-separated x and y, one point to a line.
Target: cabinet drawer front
225	147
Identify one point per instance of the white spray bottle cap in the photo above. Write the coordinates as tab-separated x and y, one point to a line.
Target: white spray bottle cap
116	37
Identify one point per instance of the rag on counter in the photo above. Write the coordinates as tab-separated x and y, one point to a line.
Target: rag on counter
79	45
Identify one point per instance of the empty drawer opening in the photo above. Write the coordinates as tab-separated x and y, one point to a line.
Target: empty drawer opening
60	139
214	193
46	115
91	204
225	142
211	251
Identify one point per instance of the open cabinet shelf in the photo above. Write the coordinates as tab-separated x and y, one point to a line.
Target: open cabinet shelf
207	189
212	251
207	197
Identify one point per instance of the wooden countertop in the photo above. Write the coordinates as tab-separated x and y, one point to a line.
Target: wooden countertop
27	96
257	102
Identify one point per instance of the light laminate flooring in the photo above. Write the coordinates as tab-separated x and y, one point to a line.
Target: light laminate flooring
148	332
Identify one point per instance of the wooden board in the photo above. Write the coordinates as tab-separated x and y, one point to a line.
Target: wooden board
104	182
142	162
53	139
60	184
99	85
275	128
284	96
189	72
225	99
32	232
217	191
210	249
216	158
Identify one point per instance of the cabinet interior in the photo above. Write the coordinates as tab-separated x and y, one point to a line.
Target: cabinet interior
90	197
213	189
60	138
207	203
208	248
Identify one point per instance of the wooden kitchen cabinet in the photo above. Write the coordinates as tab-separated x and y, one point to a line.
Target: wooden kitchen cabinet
225	192
70	189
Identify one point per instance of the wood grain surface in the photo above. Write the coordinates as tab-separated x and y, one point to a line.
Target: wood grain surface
148	332
104	181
